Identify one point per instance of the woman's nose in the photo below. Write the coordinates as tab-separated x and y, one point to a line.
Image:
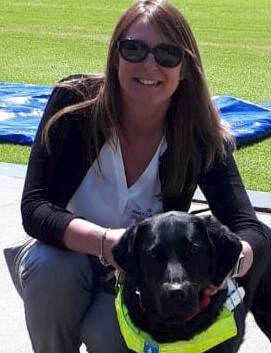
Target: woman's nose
150	61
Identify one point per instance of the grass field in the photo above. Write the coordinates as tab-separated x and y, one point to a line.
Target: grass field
43	40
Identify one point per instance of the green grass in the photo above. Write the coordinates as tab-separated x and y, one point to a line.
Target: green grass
17	154
42	41
254	164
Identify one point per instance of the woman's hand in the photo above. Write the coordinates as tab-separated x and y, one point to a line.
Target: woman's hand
212	289
112	236
246	265
84	236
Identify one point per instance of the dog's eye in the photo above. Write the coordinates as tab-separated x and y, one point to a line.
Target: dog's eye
152	253
193	250
155	253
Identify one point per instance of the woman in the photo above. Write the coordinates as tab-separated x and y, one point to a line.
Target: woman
112	149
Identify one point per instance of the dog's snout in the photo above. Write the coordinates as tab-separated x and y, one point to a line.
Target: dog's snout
176	291
176	294
177	298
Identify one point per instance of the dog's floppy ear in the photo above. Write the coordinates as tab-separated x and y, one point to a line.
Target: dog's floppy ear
226	247
123	250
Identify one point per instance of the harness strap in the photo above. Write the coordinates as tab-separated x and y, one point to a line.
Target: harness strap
235	295
221	330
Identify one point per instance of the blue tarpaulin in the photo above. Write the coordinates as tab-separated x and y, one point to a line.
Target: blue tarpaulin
249	122
22	106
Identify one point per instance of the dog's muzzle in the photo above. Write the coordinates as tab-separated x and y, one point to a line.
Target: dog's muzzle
177	299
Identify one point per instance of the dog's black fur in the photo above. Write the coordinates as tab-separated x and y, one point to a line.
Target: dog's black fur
168	261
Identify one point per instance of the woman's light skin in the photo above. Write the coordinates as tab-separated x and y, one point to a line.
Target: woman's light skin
145	90
146	87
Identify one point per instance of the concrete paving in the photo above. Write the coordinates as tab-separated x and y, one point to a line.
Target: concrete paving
13	333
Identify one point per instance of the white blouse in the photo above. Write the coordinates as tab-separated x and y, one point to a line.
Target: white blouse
103	196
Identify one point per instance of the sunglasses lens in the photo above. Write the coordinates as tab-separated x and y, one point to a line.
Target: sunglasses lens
136	51
132	50
168	55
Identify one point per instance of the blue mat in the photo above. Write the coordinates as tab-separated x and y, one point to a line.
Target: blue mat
22	106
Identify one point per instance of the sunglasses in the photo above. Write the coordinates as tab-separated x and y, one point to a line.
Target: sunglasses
136	51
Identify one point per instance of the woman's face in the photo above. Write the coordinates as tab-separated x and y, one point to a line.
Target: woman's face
147	82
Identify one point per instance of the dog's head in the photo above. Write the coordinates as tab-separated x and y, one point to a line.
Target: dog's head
174	256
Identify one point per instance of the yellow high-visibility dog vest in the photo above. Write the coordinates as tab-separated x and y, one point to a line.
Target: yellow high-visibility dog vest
139	341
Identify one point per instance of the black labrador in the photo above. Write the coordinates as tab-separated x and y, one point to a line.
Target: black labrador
168	261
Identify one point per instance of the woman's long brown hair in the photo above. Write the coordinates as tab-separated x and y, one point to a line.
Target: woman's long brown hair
195	134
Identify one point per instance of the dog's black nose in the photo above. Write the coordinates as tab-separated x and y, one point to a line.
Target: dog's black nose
177	299
176	291
177	294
